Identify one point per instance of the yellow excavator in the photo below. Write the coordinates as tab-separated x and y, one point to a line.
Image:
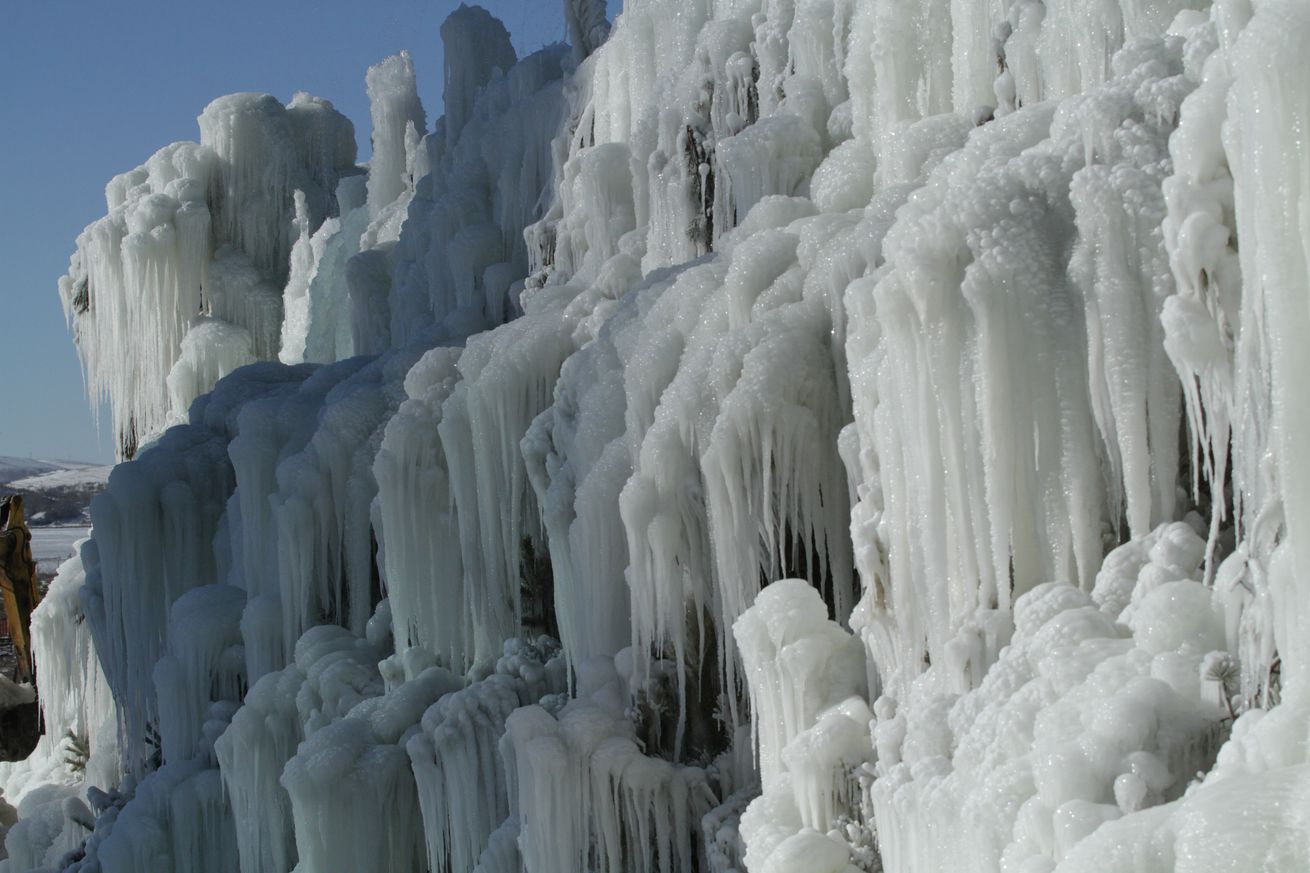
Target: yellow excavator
18	581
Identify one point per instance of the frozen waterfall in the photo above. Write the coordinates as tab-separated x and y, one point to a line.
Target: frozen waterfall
785	436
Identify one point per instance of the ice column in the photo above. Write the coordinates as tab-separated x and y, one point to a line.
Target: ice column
395	107
476	45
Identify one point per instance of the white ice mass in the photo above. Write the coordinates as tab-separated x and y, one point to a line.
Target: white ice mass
785	436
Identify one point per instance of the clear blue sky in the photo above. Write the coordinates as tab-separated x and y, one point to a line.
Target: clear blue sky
91	89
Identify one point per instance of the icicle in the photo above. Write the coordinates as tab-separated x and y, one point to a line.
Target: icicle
204	665
75	696
507	378
424	570
143	274
353	796
456	747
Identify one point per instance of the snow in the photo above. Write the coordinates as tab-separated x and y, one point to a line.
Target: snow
71	477
768	435
12	469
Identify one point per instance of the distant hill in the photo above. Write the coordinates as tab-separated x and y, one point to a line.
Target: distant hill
54	492
20	468
71	477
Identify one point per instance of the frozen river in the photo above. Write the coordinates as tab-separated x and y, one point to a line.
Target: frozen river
51	546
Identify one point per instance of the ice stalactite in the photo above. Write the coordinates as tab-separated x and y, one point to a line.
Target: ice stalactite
679	147
798	663
1267	150
1028	504
277	425
240	295
912	67
911	61
422	559
177	814
46	833
144	271
1237	813
162	531
258	170
81	740
354	800
137	273
177	817
211	349
638	52
205	664
325	141
785	144
711	507
335	299
457	747
368	280
578	463
332	672
458	743
1201	321
808	698
321	508
155	524
772	510
1217	335
584	794
507	376
597	211
1124	278
665	521
76	701
685	93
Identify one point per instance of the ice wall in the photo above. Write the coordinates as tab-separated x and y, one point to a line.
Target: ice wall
587	26
1235	814
1024	461
461	255
967	320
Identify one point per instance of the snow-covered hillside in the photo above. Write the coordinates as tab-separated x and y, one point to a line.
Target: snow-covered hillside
13	470
54	492
73	477
767	435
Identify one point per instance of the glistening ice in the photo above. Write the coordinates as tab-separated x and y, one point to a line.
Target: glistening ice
760	435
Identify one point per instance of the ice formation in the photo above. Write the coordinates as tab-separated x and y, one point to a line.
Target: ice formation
199	230
768	435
